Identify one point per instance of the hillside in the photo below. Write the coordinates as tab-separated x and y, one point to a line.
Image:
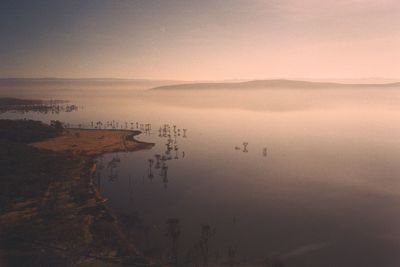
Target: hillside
269	84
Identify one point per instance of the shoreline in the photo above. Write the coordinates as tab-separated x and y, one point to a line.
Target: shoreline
94	142
125	135
97	235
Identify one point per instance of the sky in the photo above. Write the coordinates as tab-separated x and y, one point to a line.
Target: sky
200	40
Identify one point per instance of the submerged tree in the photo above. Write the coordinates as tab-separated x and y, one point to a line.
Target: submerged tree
245	144
205	236
173	232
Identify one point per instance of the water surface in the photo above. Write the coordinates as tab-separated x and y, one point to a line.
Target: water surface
316	185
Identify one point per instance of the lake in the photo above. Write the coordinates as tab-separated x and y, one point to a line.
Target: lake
283	177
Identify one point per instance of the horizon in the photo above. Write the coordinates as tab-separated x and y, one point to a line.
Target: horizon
372	80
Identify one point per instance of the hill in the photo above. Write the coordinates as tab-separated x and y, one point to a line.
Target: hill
269	84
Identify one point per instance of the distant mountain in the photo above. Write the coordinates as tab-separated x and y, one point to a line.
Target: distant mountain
266	84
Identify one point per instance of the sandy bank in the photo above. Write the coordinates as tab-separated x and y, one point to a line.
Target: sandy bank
94	142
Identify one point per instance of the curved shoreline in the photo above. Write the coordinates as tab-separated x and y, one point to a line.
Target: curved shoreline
100	204
94	142
119	231
78	203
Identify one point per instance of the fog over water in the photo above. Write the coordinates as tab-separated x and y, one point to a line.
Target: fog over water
244	171
317	183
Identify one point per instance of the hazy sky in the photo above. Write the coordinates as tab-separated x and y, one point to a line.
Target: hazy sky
202	39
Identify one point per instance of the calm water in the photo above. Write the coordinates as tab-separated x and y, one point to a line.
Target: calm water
317	185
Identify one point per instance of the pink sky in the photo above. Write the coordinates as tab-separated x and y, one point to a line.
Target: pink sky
203	40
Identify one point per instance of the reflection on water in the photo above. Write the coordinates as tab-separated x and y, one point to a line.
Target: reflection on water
274	178
158	164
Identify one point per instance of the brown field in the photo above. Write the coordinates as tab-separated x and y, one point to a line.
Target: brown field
93	142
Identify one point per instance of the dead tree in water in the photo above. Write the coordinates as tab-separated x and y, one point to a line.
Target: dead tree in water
231	256
205	236
264	151
164	175
173	232
245	144
158	157
150	172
